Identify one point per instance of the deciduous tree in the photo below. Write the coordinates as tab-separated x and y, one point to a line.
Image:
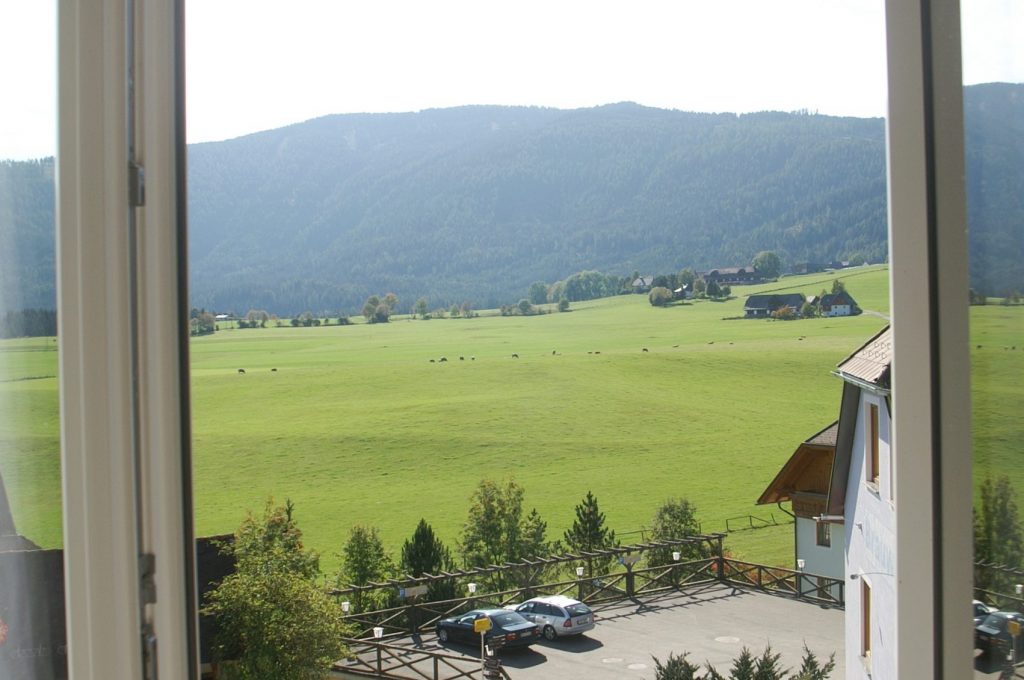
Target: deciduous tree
674	520
659	296
768	264
997	534
364	561
421	307
538	293
273	620
496	530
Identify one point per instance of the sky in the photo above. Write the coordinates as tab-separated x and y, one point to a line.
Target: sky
254	65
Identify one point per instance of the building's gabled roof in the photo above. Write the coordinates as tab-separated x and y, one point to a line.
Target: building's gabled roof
774	301
808	470
871	363
643	281
842	298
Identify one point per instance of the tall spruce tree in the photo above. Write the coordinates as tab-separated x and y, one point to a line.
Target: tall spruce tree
424	553
589	534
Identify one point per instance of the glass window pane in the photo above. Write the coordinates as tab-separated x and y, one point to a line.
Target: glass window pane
993	67
32	636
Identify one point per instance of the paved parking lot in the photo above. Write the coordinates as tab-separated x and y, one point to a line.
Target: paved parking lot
712	625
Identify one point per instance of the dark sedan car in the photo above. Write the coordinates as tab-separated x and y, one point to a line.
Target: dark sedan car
508	629
993	634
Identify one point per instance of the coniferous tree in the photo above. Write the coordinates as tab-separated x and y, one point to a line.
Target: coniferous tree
423	554
589	533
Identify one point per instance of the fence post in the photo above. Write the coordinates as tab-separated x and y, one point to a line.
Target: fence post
721	559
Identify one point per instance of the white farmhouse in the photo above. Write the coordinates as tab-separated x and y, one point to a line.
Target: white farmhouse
837	304
863	501
840	483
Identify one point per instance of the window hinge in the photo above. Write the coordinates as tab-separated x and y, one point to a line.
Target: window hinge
147	578
136	185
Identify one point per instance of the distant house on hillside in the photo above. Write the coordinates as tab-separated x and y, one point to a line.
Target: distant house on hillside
642	284
808	268
683	292
762	306
839	304
733	275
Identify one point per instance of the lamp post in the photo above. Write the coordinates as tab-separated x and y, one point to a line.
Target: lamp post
800	577
579	582
346	606
676	555
378	633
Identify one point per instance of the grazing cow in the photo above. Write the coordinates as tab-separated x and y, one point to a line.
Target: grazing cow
515	356
241	370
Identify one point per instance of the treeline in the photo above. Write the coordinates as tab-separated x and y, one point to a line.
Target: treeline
29	323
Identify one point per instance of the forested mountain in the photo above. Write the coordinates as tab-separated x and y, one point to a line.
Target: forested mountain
476	203
994	124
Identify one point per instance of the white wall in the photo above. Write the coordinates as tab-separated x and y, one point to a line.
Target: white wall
838	310
871	551
819	560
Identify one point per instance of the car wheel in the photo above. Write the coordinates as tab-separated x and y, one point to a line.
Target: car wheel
549	633
442	635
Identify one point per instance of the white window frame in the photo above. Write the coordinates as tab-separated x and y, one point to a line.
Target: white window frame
930	425
930	416
124	432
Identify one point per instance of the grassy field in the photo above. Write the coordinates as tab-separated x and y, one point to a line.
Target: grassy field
356	425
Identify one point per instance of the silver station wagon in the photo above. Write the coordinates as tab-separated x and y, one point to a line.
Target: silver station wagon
557	615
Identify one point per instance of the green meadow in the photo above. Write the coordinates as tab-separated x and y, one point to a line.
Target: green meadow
358	426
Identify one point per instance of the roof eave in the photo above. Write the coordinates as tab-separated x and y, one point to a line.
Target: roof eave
866	385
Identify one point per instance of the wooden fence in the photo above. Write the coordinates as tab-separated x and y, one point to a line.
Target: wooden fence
812	587
382	660
632	584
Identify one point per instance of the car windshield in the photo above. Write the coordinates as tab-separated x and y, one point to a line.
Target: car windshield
997	621
578	609
507	619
